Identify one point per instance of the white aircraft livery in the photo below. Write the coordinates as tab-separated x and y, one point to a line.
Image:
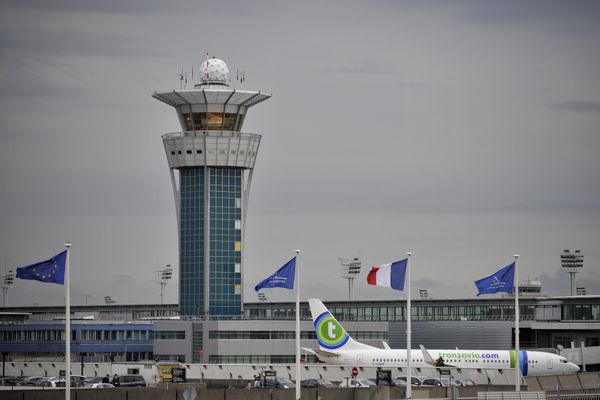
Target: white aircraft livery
337	347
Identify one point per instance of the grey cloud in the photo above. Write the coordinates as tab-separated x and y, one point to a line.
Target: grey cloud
63	42
534	11
362	67
124	279
583	106
222	7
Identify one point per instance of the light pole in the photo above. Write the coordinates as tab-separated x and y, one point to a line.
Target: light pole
8	280
350	270
163	276
572	263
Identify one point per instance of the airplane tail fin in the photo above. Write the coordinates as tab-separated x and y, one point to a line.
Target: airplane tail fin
331	335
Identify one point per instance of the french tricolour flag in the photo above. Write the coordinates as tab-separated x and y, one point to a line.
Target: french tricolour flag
389	275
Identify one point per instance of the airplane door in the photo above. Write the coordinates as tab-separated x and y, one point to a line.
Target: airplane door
550	363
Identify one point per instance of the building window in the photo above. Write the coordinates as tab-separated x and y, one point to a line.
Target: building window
216	121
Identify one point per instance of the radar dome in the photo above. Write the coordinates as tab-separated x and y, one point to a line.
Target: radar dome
214	70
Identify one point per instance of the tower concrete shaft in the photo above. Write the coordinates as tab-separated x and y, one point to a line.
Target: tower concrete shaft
211	164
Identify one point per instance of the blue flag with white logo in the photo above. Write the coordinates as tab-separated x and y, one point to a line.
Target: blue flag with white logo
52	270
501	281
283	277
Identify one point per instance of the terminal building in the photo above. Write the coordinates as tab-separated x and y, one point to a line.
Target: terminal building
264	333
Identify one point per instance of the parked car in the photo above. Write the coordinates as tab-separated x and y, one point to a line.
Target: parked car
31	380
415	380
357	383
9	381
99	385
128	381
432	382
317	383
279	383
56	381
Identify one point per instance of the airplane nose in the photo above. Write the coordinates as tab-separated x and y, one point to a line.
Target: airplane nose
574	368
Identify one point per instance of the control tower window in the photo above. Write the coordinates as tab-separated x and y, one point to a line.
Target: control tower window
216	121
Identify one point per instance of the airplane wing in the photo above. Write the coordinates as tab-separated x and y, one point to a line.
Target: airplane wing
386	345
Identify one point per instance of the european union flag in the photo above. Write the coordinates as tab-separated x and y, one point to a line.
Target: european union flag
501	281
52	270
283	277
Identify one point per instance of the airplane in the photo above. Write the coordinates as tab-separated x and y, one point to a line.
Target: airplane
337	347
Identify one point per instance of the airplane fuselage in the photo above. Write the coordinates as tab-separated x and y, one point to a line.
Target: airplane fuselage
532	363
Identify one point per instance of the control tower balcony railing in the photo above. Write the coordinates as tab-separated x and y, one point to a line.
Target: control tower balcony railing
211	148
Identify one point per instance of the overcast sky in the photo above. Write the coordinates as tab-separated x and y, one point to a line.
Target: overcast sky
463	131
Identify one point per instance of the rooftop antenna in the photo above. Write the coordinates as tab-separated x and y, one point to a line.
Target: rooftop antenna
350	270
180	76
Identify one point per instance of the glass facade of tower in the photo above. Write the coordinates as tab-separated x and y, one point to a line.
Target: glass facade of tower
224	215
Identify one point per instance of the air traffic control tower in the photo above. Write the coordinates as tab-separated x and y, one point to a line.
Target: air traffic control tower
211	164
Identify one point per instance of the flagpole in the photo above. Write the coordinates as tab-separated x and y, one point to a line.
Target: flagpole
408	330
297	283
67	326
517	354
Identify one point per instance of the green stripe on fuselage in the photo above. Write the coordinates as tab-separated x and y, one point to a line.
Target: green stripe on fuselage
513	358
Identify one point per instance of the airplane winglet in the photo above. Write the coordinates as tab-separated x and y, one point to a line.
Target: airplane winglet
426	356
386	345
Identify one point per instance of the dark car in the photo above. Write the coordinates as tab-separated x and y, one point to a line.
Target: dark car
128	381
317	383
9	381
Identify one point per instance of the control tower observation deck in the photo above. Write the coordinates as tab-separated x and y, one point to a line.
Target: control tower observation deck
211	164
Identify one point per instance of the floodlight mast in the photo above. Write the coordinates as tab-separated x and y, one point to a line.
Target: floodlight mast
350	270
8	279
572	263
163	277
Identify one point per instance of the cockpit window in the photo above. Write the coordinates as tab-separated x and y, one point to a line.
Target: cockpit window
562	360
